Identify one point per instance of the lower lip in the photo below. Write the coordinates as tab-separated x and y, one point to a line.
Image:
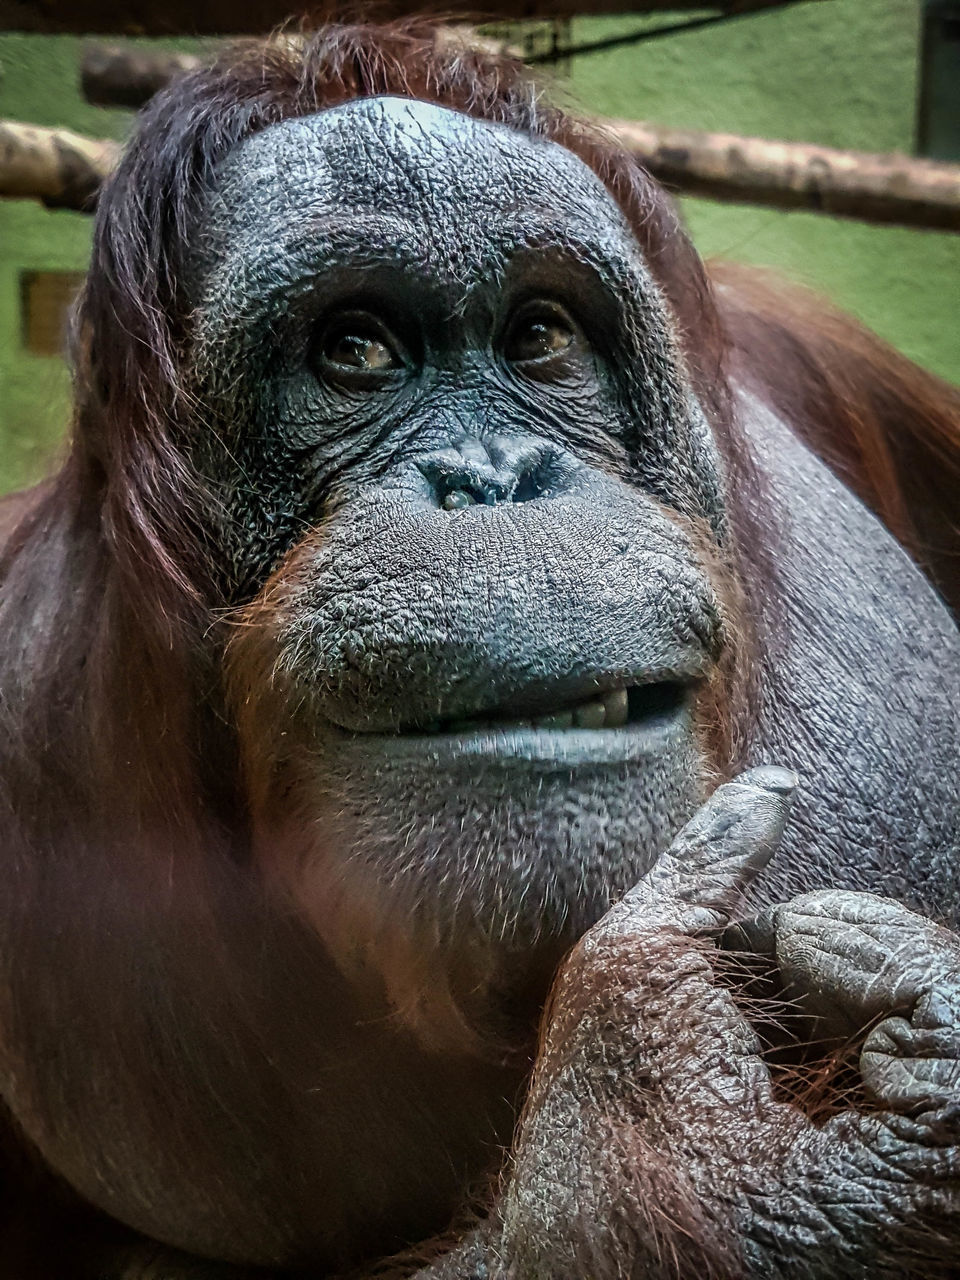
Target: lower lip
563	748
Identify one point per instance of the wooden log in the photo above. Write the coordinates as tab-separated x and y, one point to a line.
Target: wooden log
891	188
227	17
61	168
64	169
128	76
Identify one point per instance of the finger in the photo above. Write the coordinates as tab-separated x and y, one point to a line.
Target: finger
853	957
905	1068
698	883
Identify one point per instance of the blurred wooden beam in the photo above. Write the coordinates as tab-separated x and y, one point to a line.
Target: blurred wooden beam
891	188
63	170
126	75
231	17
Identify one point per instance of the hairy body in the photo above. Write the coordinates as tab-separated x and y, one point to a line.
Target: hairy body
428	552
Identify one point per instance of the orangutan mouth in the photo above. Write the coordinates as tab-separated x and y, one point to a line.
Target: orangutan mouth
615	708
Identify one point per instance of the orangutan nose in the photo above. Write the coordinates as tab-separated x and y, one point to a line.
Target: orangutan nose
495	470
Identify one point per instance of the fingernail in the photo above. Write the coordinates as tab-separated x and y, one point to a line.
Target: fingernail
771	777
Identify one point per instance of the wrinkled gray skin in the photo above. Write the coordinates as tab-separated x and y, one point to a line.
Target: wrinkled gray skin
447	873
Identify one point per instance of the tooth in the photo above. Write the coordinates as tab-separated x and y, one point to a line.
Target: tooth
562	720
590	715
616	708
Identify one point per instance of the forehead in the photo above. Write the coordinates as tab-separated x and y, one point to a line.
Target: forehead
444	173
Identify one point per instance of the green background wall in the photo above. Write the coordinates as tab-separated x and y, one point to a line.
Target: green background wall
842	73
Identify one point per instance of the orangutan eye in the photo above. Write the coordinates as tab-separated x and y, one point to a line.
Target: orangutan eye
539	335
360	345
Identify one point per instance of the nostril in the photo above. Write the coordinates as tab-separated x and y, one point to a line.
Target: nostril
457	499
457	496
532	484
456	492
542	479
505	474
